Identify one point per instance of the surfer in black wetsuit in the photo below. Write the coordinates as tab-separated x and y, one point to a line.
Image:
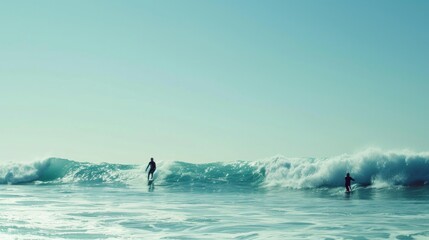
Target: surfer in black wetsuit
348	180
152	169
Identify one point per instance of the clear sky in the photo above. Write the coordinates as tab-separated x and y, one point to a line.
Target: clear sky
202	81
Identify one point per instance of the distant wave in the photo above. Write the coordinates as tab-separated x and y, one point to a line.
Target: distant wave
371	168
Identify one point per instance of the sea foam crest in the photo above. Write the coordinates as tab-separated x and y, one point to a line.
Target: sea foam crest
368	168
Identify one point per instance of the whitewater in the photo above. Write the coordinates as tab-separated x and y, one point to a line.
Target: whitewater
274	198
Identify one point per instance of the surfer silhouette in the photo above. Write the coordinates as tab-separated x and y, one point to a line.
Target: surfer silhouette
152	169
348	180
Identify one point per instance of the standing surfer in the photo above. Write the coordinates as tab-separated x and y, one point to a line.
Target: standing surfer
348	180
152	169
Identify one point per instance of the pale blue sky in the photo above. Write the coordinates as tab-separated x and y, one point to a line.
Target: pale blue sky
200	81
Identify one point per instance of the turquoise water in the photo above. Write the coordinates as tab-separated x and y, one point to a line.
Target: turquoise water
63	199
82	212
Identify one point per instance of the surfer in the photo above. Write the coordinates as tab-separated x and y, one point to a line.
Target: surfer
348	180
152	169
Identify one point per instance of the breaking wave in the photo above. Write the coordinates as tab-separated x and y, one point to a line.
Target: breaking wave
371	168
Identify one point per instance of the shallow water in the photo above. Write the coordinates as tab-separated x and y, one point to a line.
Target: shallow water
76	211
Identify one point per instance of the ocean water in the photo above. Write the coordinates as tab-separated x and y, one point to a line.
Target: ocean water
273	198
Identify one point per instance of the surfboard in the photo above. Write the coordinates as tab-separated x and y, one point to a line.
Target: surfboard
352	188
150	181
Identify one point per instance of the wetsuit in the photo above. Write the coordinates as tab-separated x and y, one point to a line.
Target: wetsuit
152	169
348	180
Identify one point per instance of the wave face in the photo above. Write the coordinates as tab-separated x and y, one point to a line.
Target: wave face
237	175
371	168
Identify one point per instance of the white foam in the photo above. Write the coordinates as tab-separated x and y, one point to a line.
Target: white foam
368	167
